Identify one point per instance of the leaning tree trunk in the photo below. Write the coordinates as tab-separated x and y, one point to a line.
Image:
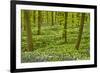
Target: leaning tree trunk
28	30
80	31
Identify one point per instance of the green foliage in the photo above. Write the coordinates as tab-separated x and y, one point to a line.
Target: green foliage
50	45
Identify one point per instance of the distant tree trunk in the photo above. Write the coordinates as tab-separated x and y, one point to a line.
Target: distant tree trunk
28	30
65	27
73	18
34	17
56	18
88	19
23	21
80	31
78	17
52	18
39	23
47	17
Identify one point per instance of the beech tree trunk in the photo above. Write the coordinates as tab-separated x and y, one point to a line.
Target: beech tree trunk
39	23
80	31
28	30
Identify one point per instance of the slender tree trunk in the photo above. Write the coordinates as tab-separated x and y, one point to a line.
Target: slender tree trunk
65	27
39	23
34	17
55	17
78	17
23	21
28	30
52	18
47	16
80	31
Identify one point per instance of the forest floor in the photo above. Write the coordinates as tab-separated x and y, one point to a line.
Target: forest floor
50	45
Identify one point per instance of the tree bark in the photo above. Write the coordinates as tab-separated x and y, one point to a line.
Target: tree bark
28	30
80	31
52	18
34	17
39	23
